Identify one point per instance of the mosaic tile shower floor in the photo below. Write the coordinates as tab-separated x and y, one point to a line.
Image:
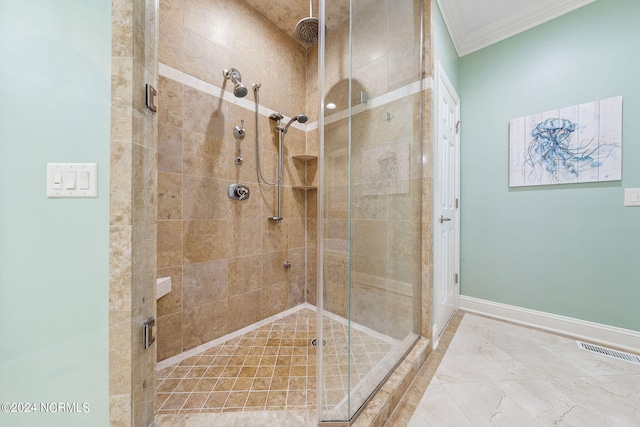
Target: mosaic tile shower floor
271	368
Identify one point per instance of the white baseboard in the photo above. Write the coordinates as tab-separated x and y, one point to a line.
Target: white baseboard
624	339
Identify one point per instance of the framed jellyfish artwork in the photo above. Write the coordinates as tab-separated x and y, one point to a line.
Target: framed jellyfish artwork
571	145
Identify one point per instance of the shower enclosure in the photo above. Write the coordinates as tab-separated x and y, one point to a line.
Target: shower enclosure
325	236
370	205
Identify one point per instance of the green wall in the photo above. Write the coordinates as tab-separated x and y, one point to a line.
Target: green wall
55	71
571	250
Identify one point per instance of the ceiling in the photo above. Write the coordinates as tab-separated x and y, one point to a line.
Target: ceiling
472	24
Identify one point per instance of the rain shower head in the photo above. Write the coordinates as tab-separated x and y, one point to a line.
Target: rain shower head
239	90
301	118
307	28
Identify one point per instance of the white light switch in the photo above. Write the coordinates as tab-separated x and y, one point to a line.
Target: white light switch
83	180
632	196
72	180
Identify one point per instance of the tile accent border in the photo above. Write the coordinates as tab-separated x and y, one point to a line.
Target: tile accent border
213	90
625	339
394	95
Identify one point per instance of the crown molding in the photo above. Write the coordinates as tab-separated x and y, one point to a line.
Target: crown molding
468	35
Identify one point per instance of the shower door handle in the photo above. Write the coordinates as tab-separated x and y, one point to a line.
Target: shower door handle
150	98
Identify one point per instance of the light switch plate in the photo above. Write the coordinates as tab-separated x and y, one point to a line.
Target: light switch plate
632	196
62	180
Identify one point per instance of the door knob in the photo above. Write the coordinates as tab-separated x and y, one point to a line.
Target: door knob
443	219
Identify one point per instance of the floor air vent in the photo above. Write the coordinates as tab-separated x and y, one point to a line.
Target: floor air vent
608	352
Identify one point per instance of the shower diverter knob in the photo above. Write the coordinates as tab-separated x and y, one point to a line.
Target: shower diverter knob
238	192
238	131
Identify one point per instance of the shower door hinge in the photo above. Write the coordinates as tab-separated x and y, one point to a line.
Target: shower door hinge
456	278
148	333
150	98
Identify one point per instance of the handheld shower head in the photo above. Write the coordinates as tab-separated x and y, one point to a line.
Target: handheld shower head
301	118
239	90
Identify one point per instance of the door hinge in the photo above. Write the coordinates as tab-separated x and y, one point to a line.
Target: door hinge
456	277
458	126
457	203
148	333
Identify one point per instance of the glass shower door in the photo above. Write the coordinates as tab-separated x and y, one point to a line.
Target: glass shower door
370	198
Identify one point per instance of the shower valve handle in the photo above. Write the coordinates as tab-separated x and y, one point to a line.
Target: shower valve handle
241	193
238	131
238	192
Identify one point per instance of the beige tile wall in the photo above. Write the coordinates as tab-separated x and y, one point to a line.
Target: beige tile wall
428	165
224	256
132	213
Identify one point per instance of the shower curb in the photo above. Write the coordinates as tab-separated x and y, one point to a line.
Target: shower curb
379	409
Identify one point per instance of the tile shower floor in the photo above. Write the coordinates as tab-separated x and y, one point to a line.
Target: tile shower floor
271	368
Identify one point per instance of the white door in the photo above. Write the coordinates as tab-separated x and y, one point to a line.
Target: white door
446	212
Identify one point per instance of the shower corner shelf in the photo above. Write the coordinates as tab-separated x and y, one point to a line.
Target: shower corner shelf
305	158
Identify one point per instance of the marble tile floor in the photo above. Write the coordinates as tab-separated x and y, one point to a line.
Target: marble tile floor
498	374
266	372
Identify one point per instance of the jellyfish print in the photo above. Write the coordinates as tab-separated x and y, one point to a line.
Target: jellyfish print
573	145
551	149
